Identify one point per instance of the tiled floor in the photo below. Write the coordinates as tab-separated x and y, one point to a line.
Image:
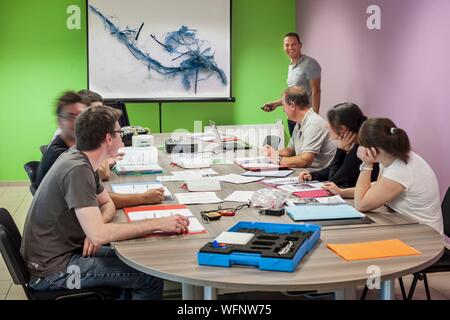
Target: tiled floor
17	200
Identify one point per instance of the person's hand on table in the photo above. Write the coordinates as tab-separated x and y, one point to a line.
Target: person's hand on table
333	188
304	176
153	196
271	153
176	223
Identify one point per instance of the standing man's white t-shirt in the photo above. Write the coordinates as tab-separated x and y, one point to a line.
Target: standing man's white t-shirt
420	200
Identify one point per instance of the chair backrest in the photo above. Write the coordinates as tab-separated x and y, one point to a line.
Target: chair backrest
43	148
31	170
446	212
10	240
273	141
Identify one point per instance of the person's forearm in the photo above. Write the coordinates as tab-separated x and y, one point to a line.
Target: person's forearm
296	162
362	186
277	102
348	193
126	200
286	152
108	211
315	100
110	232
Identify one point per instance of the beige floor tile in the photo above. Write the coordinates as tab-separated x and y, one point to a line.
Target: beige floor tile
16	290
2	297
4	286
4	275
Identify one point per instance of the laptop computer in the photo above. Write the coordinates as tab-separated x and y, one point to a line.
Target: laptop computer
226	145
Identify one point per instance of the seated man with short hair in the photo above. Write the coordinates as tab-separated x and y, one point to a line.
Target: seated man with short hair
311	145
69	106
70	218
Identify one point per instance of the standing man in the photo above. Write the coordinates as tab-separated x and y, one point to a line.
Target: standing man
303	71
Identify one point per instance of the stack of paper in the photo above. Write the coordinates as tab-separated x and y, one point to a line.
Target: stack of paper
238	179
192	163
133	188
281	181
138	160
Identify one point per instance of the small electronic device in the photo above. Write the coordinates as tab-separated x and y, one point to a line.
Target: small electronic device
179	146
272	212
142	140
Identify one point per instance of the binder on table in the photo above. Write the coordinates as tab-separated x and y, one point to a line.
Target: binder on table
308	212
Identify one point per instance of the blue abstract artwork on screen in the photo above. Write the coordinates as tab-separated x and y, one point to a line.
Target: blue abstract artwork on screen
194	57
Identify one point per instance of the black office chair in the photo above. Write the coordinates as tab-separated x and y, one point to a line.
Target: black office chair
10	240
273	141
443	264
43	148
31	170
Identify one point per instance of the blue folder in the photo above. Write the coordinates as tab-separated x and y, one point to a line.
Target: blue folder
323	212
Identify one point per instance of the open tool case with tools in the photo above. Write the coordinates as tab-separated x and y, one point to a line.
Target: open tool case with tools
274	246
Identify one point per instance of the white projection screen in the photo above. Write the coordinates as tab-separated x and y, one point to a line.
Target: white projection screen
159	50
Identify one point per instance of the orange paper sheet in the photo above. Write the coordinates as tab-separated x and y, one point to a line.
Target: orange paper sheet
373	250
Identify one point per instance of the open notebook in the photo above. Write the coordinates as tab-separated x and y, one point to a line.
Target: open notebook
138	160
160	211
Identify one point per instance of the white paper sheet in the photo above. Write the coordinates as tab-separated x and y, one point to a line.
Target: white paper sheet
240	196
198	198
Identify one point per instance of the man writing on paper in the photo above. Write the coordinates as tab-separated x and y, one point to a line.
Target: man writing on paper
69	106
311	145
70	218
303	71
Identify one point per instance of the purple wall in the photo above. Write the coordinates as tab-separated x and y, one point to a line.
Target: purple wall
401	71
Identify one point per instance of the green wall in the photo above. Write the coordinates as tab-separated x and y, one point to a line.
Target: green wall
40	58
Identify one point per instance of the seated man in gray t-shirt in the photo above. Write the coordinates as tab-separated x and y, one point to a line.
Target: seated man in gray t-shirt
311	145
71	218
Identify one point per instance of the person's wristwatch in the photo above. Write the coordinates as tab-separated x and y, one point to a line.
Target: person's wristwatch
365	167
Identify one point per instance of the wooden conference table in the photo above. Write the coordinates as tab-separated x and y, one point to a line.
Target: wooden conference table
175	257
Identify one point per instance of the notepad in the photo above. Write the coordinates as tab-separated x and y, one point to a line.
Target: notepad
138	160
135	188
319	211
161	211
373	250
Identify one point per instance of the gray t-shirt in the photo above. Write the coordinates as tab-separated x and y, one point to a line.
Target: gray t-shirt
302	72
52	232
312	135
